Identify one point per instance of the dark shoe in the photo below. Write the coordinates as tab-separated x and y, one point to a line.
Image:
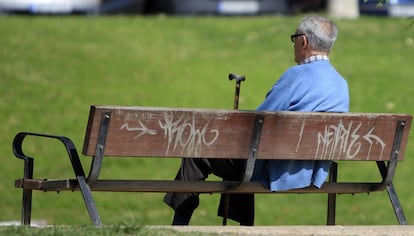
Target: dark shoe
180	219
246	223
184	212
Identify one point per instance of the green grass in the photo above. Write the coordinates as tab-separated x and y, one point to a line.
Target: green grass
53	68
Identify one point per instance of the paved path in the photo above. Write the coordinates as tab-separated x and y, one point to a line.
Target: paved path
371	230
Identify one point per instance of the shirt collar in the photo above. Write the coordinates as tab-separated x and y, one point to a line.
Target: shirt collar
314	58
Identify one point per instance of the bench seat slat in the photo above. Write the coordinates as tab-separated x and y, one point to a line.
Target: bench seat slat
187	186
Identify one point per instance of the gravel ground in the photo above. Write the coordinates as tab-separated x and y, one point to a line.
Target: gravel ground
371	230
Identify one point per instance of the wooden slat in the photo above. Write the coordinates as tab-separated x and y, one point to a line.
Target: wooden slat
173	132
222	186
47	185
188	186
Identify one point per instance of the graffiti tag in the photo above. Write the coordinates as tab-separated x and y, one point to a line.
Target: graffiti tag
182	133
345	140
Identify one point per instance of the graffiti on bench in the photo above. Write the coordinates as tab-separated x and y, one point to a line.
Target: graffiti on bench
189	134
341	139
181	132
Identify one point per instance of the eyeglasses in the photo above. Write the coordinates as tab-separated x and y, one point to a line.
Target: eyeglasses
294	36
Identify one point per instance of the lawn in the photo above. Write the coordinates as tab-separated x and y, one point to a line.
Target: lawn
53	68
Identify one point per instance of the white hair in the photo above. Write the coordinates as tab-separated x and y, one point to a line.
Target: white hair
320	32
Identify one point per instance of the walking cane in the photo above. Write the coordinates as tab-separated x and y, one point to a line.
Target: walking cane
239	79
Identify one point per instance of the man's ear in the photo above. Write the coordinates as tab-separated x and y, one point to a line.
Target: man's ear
304	41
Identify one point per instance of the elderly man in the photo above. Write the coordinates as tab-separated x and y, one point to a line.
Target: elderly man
313	85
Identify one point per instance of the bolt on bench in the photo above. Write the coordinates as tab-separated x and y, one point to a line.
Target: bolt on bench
151	132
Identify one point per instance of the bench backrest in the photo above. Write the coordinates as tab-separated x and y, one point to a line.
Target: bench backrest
179	132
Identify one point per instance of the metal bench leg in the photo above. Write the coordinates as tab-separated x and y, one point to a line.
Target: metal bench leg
396	205
26	207
333	173
90	204
27	193
392	194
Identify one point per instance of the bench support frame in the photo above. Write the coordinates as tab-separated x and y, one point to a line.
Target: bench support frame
250	163
77	167
388	172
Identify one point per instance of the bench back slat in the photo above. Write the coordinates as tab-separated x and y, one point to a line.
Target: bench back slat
180	132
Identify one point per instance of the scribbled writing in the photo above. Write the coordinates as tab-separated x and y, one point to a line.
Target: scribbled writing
184	133
141	129
345	140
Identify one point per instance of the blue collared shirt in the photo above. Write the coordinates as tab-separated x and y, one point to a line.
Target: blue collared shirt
314	86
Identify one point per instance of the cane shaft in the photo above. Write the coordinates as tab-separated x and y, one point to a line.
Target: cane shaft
236	96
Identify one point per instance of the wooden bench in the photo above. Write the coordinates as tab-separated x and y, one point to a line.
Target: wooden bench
123	131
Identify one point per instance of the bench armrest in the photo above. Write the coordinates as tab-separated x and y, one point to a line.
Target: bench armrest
76	165
28	167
